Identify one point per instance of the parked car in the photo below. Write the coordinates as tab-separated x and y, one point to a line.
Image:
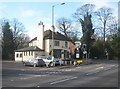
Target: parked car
61	62
58	61
47	60
34	62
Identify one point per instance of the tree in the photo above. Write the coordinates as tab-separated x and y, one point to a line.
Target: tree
7	42
115	44
20	39
83	10
73	35
84	17
87	30
104	14
64	25
96	50
112	26
12	37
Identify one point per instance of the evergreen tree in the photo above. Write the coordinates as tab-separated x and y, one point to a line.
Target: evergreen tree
87	30
7	42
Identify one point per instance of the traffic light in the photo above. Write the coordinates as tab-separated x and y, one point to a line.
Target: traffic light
84	47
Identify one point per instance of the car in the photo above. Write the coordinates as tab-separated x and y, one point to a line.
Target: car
48	60
61	62
34	62
58	61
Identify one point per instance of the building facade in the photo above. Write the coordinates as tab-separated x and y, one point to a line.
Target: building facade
42	45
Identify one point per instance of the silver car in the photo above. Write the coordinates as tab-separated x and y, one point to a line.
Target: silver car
58	61
34	62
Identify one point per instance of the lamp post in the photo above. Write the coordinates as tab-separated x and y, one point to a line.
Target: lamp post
53	28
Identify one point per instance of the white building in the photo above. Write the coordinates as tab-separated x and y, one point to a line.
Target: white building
42	45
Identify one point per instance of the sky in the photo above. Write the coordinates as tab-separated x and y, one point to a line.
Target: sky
31	12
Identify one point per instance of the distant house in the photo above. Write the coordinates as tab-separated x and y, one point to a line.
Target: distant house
42	45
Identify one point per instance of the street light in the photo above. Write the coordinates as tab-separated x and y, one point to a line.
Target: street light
53	28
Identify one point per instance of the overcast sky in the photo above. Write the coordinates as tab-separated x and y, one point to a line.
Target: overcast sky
30	12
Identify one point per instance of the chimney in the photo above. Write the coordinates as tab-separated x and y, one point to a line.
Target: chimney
40	35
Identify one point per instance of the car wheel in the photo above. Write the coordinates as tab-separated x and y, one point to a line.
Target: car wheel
24	64
34	65
52	64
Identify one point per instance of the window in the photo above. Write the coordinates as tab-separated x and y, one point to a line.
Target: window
66	44
20	55
17	55
57	43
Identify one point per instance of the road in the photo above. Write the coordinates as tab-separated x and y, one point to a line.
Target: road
98	74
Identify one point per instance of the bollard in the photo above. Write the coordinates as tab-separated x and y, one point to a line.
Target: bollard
70	62
65	62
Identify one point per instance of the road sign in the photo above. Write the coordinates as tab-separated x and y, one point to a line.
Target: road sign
84	52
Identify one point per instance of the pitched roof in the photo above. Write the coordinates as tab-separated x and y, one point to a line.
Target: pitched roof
33	39
57	36
31	48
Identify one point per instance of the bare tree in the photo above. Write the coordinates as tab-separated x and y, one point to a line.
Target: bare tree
104	14
22	41
83	10
20	38
64	25
112	26
73	35
17	27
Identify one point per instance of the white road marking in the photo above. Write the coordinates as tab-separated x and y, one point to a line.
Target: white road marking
22	69
23	78
100	68
38	86
92	73
107	69
30	76
68	70
78	67
63	80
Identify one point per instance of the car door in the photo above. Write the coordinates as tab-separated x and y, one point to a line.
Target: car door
41	62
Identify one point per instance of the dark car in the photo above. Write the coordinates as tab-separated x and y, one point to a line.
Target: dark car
58	61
